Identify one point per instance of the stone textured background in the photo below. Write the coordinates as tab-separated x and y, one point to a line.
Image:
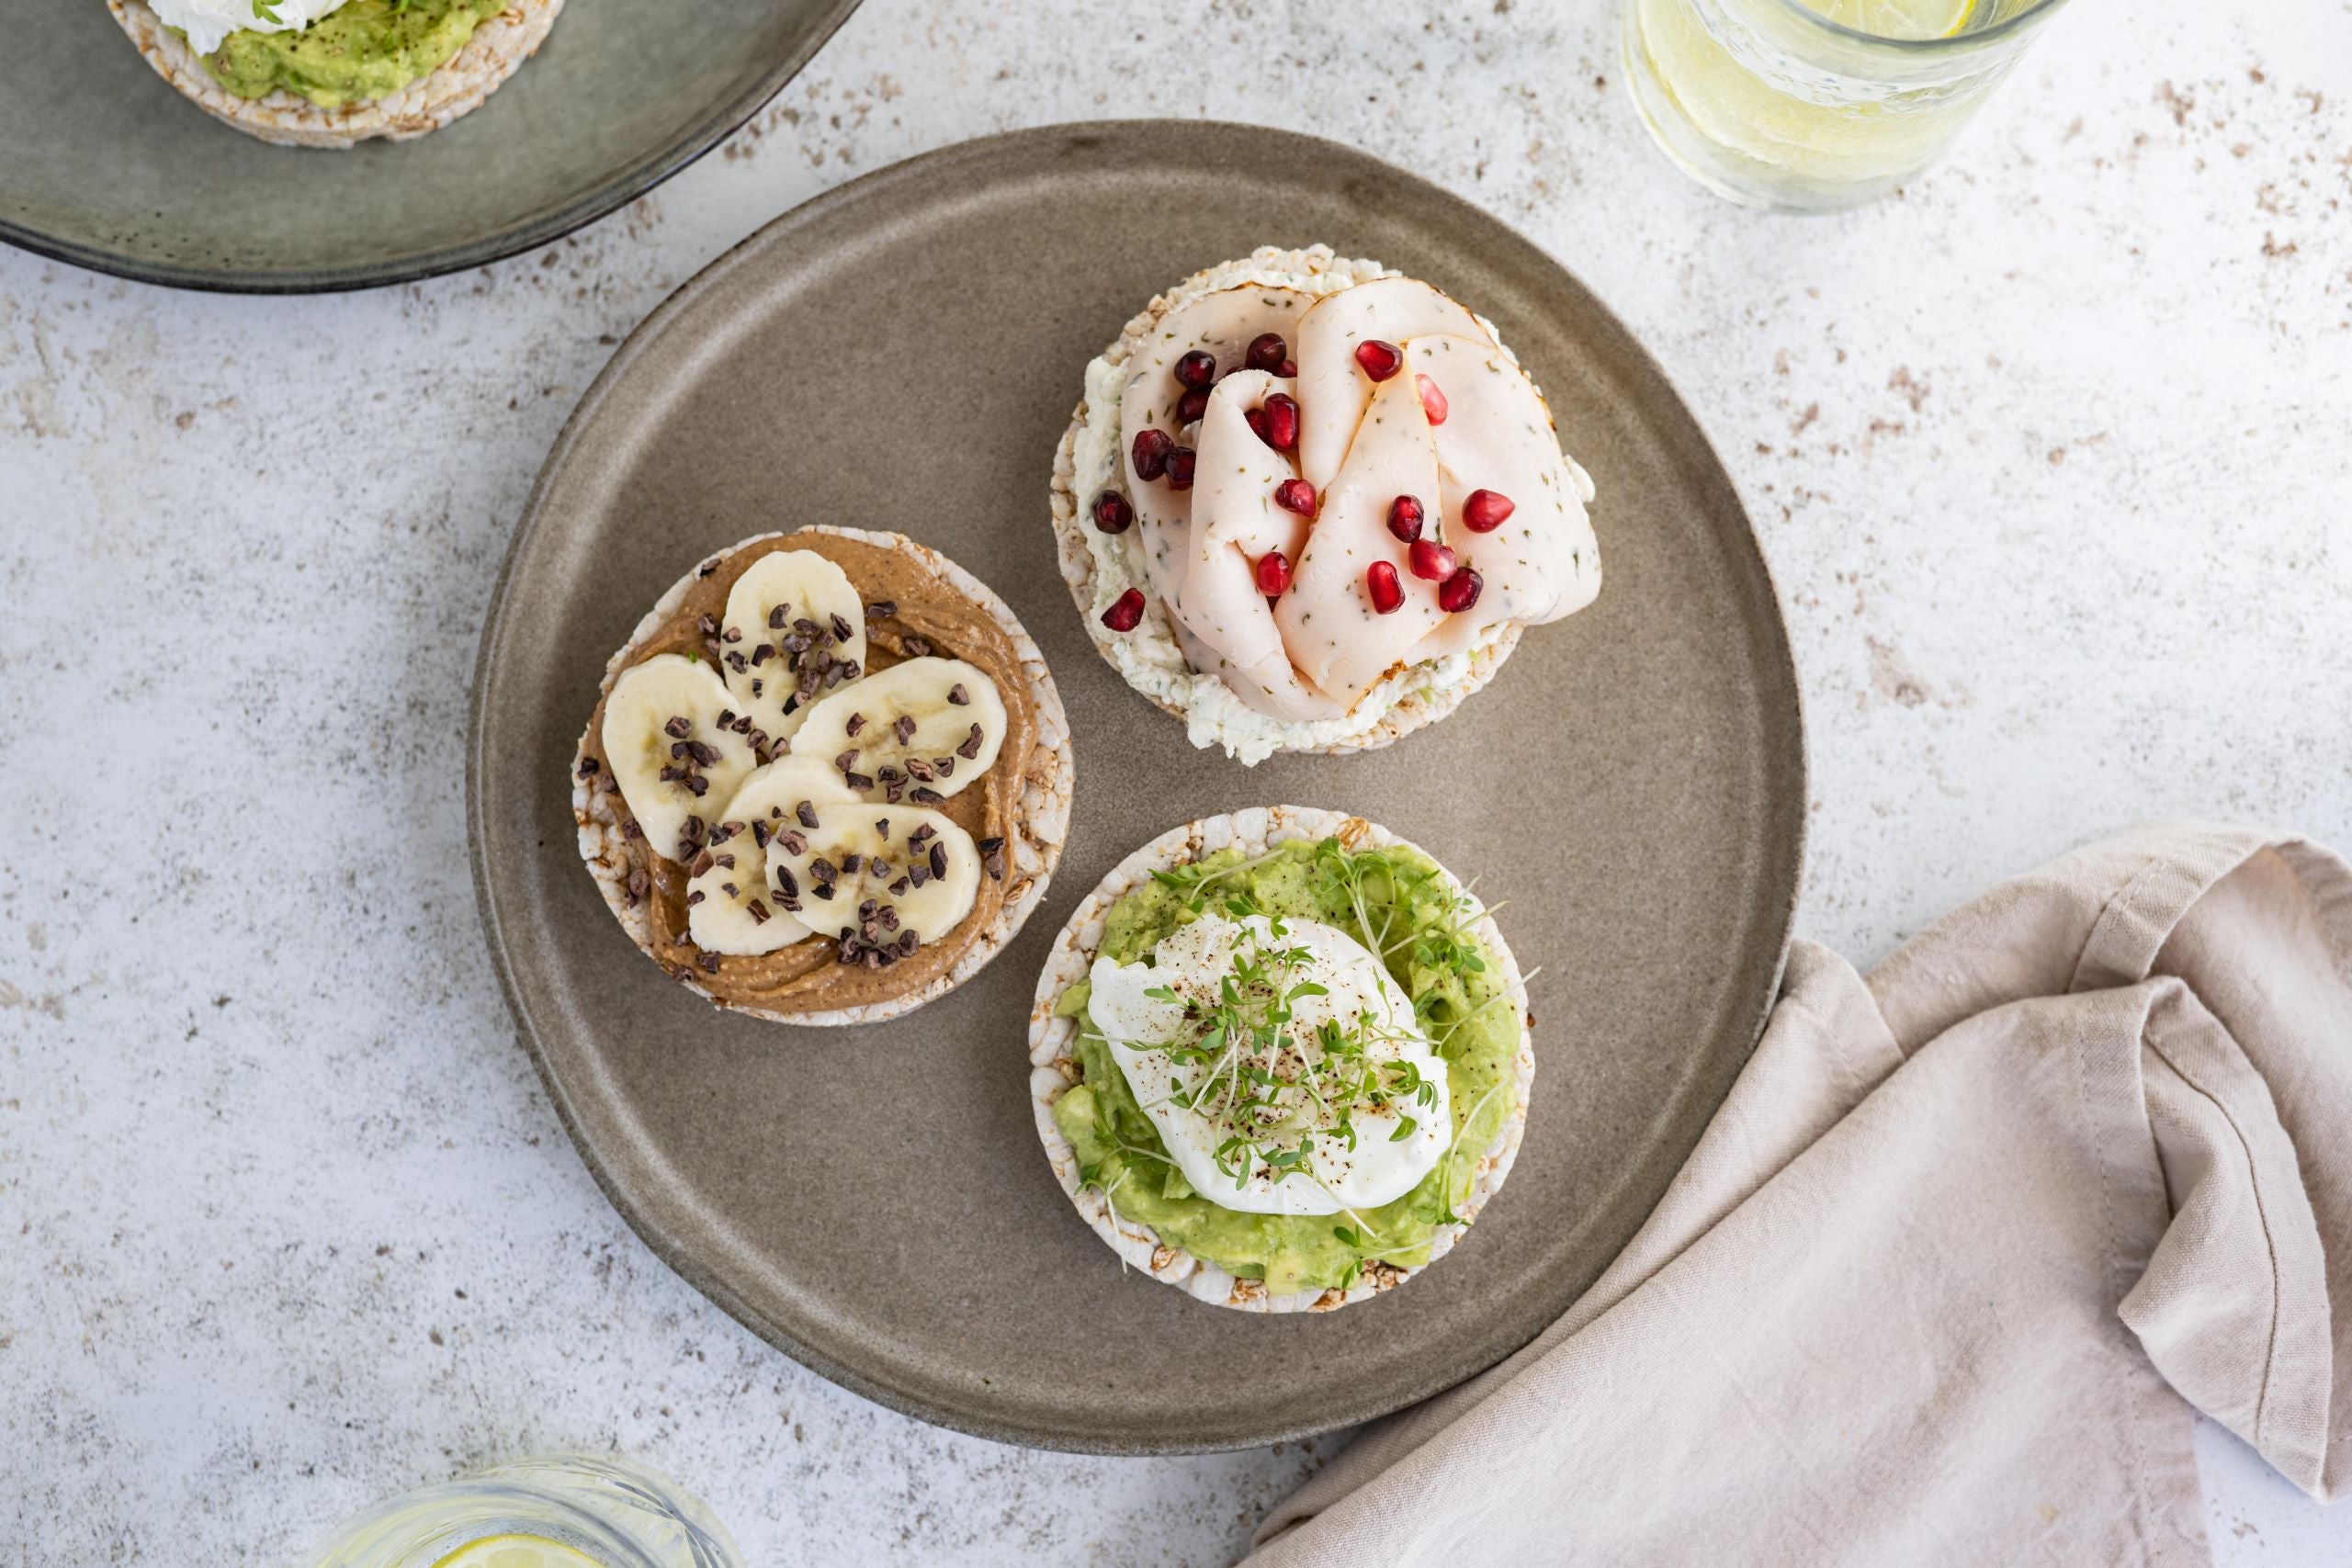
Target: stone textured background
2048	455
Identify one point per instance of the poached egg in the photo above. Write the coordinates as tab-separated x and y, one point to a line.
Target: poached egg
208	23
1262	1118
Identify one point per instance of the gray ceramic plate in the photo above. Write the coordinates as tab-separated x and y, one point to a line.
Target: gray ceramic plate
109	167
903	353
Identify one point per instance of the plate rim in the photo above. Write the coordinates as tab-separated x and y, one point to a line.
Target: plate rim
1787	863
616	192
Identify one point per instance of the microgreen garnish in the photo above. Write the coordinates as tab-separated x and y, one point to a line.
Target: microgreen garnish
1290	1096
267	11
1282	1091
1191	882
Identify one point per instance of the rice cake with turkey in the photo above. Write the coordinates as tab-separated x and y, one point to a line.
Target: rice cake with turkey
1307	504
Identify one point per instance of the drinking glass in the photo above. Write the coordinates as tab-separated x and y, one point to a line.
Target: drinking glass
1811	106
565	1511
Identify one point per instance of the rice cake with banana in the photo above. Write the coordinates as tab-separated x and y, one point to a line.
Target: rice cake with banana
1307	504
827	779
1281	1059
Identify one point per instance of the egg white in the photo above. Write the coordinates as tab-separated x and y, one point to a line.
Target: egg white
208	23
1193	962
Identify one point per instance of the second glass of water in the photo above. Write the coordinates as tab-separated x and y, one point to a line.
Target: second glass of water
1816	105
564	1511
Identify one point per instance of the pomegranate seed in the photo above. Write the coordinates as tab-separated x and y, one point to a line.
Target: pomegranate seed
1180	467
1485	510
1430	561
1149	454
1111	512
1281	422
1289	370
1458	592
1267	352
1380	582
1197	369
1273	574
1380	360
1256	418
1432	400
1405	517
1295	495
1192	405
1126	611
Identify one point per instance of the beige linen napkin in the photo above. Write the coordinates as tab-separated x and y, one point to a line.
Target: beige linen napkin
1948	1271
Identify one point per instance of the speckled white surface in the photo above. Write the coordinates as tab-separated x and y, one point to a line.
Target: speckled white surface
2050	456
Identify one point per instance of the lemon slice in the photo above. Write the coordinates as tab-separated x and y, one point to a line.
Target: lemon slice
1898	19
516	1551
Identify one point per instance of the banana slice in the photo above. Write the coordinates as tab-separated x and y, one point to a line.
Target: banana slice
666	739
730	909
918	731
880	880
792	619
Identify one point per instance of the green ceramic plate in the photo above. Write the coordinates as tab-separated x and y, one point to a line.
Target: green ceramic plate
108	167
903	353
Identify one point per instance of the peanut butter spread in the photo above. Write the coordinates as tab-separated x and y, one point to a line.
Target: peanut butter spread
910	612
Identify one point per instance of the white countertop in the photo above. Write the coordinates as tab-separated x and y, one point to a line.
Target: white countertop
2050	456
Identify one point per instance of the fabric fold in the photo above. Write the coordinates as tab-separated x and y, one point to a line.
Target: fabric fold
1948	1271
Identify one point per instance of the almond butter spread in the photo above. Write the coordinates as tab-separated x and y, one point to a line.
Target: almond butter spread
910	612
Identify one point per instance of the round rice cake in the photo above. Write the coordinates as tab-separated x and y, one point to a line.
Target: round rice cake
1149	657
455	88
1041	816
1053	1066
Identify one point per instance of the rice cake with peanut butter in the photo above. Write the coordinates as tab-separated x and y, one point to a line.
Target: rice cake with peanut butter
898	753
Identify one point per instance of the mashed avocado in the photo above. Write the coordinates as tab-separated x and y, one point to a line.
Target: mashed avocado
366	50
1458	994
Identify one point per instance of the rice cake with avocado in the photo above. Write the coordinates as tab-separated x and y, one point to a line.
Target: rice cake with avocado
360	69
757	913
1308	865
